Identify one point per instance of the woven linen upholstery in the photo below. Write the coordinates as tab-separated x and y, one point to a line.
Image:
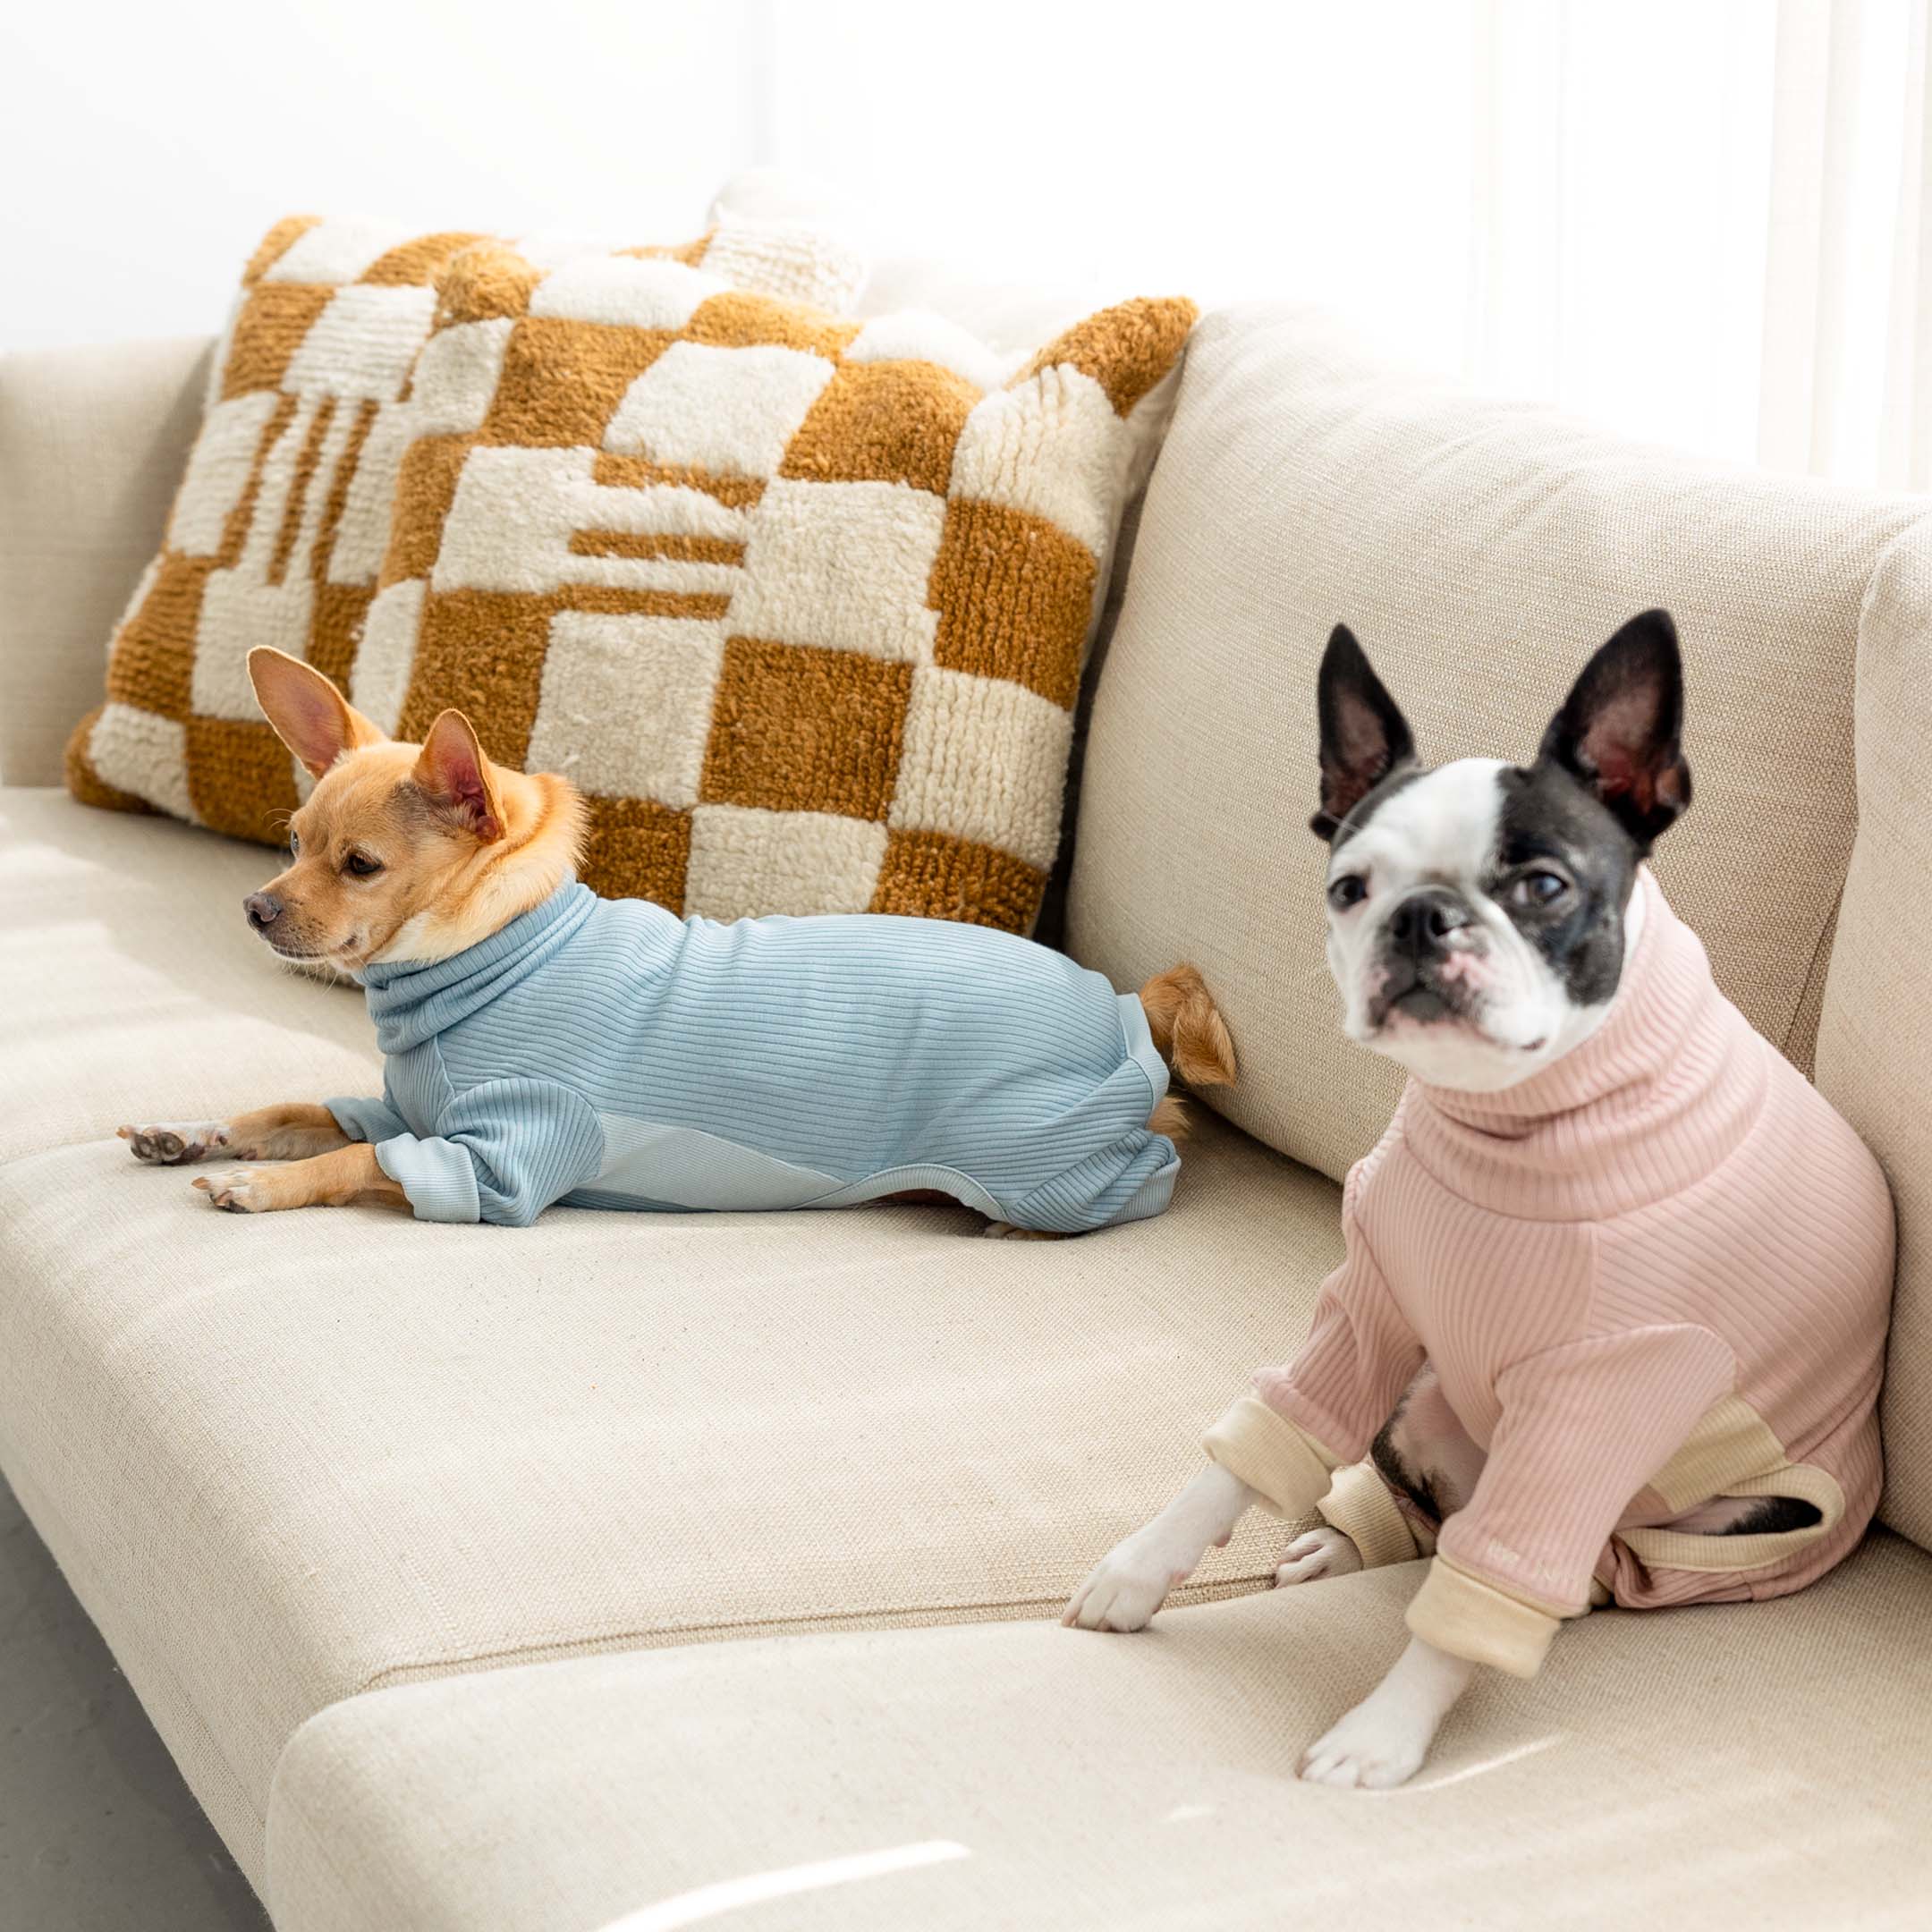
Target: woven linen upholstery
1480	550
282	520
801	603
1679	1770
92	442
1874	1046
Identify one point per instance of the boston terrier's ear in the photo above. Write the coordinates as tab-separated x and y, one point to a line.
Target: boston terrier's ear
1363	736
1619	730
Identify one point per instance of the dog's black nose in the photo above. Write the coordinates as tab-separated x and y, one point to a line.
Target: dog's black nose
263	911
1425	919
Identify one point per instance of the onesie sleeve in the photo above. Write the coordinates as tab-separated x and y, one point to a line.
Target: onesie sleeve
1324	1408
369	1120
502	1152
1583	1427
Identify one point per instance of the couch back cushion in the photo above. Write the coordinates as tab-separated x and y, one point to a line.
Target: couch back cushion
1480	550
92	441
1874	1045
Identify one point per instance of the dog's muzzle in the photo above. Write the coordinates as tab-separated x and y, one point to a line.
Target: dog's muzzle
1421	933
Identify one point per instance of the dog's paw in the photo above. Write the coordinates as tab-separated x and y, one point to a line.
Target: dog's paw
1126	1587
237	1190
1324	1551
176	1143
1379	1745
1006	1231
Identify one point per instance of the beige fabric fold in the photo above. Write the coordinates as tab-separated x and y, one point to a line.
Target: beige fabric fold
1359	1506
1469	1618
1286	1467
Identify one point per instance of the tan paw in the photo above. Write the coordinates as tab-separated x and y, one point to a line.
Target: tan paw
176	1143
239	1189
1006	1231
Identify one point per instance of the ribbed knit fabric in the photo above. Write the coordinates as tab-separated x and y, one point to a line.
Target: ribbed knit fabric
1657	1272
606	1053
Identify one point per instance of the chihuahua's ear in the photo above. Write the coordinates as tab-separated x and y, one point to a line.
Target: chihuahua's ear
310	716
1619	731
1364	737
454	773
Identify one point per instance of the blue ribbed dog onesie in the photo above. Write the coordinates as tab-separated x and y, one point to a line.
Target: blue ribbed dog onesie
609	1054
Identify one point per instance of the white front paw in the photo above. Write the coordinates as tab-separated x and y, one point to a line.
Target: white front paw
1378	1744
1128	1585
1324	1551
175	1143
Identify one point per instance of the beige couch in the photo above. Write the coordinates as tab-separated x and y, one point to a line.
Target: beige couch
418	1542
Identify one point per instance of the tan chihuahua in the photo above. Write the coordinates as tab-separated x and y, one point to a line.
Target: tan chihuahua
544	1044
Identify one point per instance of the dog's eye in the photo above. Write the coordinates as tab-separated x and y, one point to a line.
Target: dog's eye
294	845
1539	888
1350	890
362	865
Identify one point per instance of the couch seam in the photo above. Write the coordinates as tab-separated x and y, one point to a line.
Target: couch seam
1820	956
920	1617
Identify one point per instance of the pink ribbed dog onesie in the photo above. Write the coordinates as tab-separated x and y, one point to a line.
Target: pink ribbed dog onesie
1657	1272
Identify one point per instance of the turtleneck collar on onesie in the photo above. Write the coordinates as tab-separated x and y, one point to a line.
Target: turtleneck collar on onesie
1655	1099
411	1003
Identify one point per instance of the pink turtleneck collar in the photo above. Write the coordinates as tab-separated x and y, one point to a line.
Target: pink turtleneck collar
1652	1101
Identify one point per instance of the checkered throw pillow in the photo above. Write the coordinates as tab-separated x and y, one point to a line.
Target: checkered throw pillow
279	530
799	603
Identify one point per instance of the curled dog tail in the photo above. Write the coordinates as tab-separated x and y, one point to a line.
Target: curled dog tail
1188	1031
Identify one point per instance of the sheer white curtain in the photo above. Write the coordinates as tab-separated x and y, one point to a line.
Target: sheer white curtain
1846	379
1711	223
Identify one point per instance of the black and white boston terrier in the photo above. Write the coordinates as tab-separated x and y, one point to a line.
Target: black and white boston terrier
1617	1275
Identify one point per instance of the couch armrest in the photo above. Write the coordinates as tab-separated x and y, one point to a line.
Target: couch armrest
1873	1051
92	444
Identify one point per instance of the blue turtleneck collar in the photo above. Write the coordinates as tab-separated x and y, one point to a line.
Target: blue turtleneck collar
411	1003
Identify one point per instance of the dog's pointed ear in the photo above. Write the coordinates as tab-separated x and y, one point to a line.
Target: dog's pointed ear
452	771
1364	736
307	712
1620	732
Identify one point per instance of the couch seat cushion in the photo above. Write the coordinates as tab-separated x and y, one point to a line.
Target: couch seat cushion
130	986
1687	1768
289	1458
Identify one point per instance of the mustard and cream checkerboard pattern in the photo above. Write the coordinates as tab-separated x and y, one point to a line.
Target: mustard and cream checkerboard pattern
282	523
799	603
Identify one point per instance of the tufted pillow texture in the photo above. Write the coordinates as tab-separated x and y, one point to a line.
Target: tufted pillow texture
801	603
280	527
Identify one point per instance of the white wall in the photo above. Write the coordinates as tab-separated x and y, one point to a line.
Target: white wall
144	147
145	154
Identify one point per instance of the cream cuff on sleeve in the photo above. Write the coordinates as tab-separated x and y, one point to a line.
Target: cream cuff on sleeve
1287	1469
1359	1506
1468	1618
